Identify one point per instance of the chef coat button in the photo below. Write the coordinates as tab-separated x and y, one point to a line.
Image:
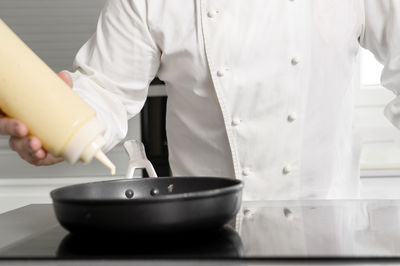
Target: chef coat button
248	213
291	117
220	73
212	13
246	172
288	213
236	121
294	61
286	170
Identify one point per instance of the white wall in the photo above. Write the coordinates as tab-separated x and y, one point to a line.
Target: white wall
54	29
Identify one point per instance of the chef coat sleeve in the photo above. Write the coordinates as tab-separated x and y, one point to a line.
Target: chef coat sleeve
381	35
113	70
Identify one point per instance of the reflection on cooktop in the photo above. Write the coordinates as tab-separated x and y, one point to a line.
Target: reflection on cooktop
321	229
57	243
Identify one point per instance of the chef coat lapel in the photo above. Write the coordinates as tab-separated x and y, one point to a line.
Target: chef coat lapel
208	13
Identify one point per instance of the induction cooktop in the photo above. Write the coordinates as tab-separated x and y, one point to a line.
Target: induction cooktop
351	230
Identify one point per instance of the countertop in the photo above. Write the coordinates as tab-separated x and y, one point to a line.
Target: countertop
269	232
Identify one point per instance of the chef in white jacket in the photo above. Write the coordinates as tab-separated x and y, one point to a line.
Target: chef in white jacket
257	90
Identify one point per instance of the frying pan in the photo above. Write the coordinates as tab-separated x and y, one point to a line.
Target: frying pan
147	205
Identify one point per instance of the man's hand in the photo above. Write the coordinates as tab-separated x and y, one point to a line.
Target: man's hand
28	147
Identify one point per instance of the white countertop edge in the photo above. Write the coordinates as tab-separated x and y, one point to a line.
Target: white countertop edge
380	173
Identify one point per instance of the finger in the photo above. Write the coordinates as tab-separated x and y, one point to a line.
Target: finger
34	144
46	158
66	77
23	153
13	143
30	159
39	154
12	127
21	145
38	157
31	144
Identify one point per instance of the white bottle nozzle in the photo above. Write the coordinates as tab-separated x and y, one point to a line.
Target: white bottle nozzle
93	150
100	156
86	144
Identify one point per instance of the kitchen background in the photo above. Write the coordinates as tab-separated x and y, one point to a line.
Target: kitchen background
55	30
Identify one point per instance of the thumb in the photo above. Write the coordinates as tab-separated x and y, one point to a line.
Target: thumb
66	77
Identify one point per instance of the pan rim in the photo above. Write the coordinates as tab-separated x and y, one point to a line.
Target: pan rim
235	187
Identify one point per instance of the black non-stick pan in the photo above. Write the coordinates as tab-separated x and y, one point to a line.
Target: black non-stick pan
147	205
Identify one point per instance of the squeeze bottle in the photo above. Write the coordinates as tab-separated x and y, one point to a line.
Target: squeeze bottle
32	93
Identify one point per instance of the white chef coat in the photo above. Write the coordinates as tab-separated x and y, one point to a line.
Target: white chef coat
257	90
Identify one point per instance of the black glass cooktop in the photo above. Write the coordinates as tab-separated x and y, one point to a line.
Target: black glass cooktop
57	243
352	230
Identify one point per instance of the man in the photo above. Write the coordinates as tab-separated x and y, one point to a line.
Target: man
259	90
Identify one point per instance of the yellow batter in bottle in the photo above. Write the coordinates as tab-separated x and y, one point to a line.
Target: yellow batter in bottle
32	93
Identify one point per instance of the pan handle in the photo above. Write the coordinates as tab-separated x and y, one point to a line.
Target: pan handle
137	158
